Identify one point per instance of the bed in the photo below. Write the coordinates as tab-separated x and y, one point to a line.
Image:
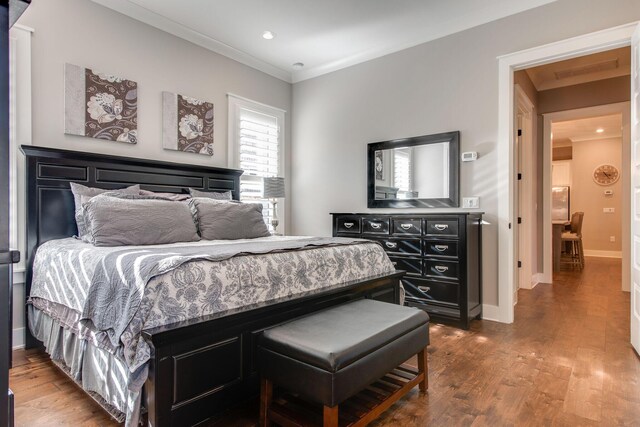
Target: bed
193	366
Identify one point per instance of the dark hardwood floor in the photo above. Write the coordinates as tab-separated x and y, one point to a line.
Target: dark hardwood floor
565	361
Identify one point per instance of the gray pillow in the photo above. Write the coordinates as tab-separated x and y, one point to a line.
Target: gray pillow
211	194
177	197
79	191
121	221
223	220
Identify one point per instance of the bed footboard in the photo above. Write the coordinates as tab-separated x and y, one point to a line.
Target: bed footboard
201	367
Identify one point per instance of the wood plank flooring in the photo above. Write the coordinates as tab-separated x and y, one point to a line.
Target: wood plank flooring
566	361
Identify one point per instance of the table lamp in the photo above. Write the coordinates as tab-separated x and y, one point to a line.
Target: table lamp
273	189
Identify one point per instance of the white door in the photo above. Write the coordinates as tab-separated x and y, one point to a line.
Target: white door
524	192
518	240
635	188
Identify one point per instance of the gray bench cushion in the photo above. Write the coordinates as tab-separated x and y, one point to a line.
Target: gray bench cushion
330	355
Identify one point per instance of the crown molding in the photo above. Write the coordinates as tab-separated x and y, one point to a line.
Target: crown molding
177	29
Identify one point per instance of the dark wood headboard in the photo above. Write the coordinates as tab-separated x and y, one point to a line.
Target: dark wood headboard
50	206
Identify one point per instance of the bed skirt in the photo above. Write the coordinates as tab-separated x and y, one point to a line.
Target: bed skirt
101	374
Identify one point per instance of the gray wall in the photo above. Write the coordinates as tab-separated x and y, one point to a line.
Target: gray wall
83	33
601	92
86	34
444	85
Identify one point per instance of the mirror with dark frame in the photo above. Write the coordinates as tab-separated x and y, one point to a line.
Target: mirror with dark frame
418	172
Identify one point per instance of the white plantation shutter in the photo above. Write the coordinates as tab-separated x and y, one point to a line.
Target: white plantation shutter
402	169
256	147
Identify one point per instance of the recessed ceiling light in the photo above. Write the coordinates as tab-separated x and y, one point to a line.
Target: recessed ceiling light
298	66
268	35
599	130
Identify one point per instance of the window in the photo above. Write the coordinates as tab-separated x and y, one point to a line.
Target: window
402	171
256	145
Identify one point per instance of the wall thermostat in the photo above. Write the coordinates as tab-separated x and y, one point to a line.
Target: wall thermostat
469	156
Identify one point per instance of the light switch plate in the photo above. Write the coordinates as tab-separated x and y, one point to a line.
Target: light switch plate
608	210
471	202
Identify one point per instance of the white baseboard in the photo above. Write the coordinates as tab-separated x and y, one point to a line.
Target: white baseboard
18	276
18	338
490	312
603	254
536	278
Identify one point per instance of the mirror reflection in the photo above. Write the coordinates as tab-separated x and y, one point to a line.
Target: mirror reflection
420	171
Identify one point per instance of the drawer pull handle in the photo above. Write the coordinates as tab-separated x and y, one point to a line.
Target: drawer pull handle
441	248
348	224
391	245
441	227
376	225
441	268
424	288
406	226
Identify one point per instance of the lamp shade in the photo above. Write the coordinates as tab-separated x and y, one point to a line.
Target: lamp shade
273	188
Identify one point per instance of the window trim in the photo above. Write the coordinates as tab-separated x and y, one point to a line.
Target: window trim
235	104
20	134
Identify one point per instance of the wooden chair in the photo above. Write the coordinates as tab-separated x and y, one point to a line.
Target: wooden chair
573	239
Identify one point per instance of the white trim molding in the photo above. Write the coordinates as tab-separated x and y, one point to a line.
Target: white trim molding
20	116
491	312
507	64
19	275
536	279
17	339
602	254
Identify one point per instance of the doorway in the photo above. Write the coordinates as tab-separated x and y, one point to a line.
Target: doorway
556	91
601	41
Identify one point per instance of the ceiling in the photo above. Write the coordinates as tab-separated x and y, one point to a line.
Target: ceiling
585	129
325	35
583	69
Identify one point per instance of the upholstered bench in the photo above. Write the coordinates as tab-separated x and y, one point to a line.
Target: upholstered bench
347	354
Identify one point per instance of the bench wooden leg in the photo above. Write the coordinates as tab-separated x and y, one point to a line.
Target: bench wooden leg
330	416
423	367
266	396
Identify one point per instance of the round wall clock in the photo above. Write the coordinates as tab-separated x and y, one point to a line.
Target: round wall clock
606	174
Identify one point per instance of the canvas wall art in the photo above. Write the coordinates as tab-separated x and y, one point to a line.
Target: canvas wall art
100	105
187	124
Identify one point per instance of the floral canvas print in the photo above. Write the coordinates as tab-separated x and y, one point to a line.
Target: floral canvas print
187	124
100	105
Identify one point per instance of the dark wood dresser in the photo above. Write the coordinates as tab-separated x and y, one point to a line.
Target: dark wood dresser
441	254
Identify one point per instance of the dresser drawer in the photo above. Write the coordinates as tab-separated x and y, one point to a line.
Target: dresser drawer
402	246
431	291
441	248
441	227
437	269
348	224
412	266
408	226
375	225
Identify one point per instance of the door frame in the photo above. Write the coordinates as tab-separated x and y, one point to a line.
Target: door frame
586	44
623	108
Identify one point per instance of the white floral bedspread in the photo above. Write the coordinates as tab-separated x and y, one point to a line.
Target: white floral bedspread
64	269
